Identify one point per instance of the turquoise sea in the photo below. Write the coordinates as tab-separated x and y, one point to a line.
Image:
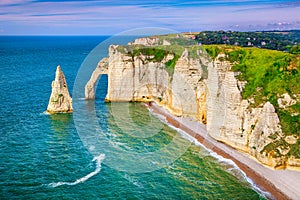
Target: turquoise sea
44	156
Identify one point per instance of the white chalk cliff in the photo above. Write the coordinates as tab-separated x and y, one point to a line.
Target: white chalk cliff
90	86
60	100
206	90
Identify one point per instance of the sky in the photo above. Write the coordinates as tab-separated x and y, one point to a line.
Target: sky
108	17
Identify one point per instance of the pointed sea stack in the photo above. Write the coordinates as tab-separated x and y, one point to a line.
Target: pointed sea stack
60	100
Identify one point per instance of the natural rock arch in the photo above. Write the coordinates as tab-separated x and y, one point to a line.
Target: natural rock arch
102	68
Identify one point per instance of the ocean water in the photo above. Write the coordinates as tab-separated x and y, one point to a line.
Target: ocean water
45	157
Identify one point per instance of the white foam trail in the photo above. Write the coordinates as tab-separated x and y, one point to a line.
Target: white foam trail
221	159
215	155
98	160
242	173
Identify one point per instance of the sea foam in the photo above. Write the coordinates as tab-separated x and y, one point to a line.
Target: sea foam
98	160
235	170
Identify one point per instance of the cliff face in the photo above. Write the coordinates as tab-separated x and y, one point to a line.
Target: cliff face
138	78
232	120
188	87
60	100
204	89
101	68
133	78
225	107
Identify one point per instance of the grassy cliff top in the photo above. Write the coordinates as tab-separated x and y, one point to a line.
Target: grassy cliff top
158	52
268	72
269	75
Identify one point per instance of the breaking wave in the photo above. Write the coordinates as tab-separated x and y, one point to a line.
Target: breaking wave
234	169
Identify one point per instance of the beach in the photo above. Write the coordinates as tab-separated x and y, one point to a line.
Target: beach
280	184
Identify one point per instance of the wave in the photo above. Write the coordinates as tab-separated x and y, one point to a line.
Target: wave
44	113
120	145
238	172
235	170
98	160
133	181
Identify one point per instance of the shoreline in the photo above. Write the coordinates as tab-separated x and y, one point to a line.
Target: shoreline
281	184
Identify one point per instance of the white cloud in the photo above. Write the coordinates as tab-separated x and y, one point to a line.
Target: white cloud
78	15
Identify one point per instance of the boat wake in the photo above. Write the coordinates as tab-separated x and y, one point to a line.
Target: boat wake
98	160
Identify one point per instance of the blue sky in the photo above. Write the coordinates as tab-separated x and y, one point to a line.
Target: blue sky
104	17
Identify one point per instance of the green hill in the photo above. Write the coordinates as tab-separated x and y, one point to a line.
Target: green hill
269	75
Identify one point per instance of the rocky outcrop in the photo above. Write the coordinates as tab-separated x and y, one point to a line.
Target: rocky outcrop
265	126
286	101
102	68
166	43
204	89
60	100
147	41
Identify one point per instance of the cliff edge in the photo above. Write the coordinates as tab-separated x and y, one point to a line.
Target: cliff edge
248	98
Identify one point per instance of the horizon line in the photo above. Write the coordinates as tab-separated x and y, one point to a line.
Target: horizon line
107	35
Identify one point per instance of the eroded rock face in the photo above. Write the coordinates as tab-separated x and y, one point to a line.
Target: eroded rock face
233	120
135	78
60	100
147	41
266	126
225	106
102	68
188	88
204	90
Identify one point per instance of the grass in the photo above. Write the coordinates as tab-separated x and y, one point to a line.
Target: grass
269	71
179	41
295	149
269	74
213	50
155	54
158	54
